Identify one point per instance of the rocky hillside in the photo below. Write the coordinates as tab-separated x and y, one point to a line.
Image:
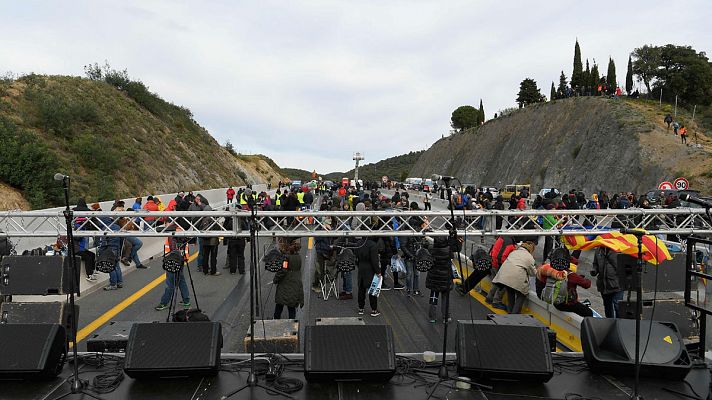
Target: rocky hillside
584	143
114	140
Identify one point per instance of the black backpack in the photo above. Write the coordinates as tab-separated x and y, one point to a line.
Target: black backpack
192	315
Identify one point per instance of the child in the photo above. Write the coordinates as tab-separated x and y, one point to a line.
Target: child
290	291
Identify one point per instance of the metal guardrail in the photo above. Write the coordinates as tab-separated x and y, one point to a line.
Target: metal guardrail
681	221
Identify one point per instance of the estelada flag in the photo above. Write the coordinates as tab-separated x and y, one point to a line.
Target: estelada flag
654	250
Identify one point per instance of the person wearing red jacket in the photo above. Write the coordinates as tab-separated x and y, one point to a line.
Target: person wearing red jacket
150	206
230	194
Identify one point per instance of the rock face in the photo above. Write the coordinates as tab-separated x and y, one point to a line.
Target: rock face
589	144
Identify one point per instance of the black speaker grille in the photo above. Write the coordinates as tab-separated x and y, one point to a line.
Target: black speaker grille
350	348
504	351
21	346
179	345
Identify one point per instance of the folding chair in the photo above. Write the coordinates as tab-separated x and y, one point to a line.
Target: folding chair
328	281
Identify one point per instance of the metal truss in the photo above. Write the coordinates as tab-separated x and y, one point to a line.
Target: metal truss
681	221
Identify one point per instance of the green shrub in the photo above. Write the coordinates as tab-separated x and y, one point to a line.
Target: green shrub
27	164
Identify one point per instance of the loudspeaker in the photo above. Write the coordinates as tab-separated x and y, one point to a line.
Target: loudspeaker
527	320
112	338
170	349
511	352
349	353
32	351
671	275
667	308
609	347
54	312
37	275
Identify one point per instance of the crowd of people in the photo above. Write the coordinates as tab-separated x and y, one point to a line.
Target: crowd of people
508	263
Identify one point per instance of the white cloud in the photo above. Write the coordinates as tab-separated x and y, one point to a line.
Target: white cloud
308	83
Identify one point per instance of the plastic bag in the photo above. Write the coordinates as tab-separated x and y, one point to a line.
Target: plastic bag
397	264
375	288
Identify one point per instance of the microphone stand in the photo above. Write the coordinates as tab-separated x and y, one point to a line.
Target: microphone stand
252	377
638	308
78	385
442	372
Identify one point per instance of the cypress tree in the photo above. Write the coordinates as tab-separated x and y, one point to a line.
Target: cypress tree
482	113
594	78
578	68
553	92
562	84
586	80
629	77
611	80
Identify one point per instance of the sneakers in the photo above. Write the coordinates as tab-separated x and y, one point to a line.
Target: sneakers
375	313
216	273
161	307
120	285
385	287
398	287
499	306
126	262
233	273
110	287
360	311
186	304
433	321
91	278
141	266
316	289
416	293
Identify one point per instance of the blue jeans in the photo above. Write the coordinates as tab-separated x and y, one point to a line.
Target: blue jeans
200	253
171	286
610	303
348	285
412	276
115	276
136	244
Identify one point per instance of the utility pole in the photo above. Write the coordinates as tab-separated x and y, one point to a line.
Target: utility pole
675	106
693	118
661	97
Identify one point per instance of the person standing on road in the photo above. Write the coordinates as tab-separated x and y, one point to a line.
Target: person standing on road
607	283
426	201
683	134
230	193
439	279
668	121
173	278
368	267
675	127
290	291
409	245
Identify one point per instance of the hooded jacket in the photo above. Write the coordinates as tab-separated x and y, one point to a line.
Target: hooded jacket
439	277
604	269
516	270
290	291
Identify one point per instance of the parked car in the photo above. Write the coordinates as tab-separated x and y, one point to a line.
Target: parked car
543	192
493	190
655	195
508	191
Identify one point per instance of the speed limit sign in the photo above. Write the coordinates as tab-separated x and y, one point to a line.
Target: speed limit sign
665	186
681	184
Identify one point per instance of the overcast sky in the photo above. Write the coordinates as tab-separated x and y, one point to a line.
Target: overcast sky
310	82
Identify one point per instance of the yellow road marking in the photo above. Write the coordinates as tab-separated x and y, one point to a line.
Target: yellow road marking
104	318
310	243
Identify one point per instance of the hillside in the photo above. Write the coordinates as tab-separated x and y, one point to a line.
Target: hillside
114	140
584	143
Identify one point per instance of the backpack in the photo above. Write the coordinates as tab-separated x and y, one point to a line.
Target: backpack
501	249
556	291
481	260
192	315
457	199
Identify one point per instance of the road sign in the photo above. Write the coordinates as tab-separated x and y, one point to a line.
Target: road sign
665	186
681	184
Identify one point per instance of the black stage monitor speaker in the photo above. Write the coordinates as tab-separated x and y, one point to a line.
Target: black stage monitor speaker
37	275
32	351
349	353
53	312
511	352
609	347
170	349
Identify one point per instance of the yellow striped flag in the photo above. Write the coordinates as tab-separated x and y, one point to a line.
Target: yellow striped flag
654	251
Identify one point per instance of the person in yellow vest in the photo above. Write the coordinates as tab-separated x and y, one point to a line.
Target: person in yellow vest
173	278
300	198
278	199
